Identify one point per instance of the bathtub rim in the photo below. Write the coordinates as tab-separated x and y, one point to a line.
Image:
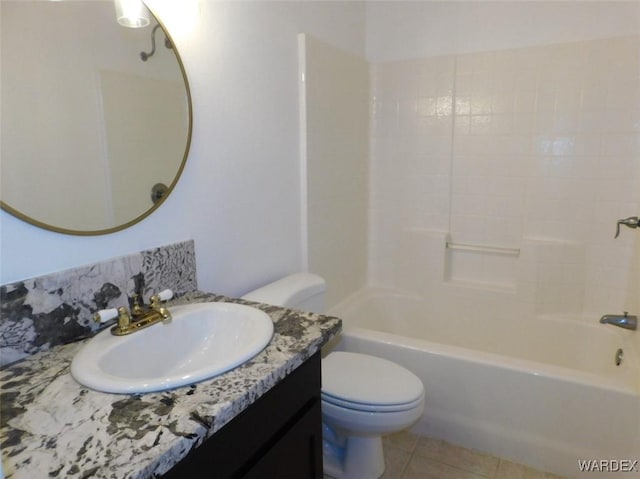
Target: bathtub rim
495	360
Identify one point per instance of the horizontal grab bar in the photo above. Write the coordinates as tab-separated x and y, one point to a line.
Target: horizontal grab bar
484	249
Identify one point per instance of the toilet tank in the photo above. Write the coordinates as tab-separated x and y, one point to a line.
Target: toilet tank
305	291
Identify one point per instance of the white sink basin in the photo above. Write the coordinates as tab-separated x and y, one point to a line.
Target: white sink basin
202	341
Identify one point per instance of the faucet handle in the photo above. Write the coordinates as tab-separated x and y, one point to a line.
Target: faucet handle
164	295
105	315
631	222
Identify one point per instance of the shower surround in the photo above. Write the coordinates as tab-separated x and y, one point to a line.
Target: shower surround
533	151
497	179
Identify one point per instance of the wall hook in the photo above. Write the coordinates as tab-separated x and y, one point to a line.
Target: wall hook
630	222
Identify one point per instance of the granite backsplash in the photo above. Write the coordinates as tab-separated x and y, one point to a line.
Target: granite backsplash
39	313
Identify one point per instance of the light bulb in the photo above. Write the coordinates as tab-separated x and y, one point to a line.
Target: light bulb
132	13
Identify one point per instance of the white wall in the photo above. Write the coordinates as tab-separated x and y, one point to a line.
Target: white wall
238	197
398	30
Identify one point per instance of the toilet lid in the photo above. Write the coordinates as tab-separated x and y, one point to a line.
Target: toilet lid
363	379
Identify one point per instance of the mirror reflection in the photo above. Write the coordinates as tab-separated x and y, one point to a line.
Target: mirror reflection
93	137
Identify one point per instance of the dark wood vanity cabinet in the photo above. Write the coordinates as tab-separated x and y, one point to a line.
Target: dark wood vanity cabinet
279	436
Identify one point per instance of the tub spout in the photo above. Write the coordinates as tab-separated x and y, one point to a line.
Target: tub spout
626	321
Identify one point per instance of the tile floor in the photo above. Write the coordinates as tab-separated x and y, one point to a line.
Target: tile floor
409	456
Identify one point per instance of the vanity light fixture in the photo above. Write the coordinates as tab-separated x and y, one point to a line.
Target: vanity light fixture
132	13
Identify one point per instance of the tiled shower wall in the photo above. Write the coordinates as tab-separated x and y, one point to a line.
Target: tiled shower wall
534	149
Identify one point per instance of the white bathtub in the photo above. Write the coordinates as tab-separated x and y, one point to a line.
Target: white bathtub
543	392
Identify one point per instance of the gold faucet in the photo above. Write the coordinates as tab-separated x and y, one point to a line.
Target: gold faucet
141	317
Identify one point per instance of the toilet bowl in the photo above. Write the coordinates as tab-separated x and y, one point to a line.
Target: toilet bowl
363	397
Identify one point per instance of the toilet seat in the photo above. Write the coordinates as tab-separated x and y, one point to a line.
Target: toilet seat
367	383
371	407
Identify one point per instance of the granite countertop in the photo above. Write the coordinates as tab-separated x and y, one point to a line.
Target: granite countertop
51	426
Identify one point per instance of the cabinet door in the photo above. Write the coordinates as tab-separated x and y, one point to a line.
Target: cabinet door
297	454
238	448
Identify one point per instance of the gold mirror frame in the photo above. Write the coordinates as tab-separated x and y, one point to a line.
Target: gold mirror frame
57	229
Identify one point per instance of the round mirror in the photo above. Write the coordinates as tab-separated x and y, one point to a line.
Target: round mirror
94	116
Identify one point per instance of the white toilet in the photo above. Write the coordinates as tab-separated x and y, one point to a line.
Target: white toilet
363	397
